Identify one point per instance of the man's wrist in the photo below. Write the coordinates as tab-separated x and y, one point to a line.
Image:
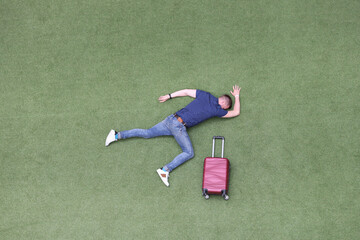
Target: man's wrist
237	95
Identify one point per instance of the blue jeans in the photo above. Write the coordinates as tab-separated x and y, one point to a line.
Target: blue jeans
170	126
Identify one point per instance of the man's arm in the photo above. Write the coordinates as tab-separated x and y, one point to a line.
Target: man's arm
181	93
236	111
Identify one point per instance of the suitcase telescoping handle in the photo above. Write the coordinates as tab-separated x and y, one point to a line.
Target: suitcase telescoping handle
222	147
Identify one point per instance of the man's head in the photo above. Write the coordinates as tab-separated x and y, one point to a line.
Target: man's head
225	101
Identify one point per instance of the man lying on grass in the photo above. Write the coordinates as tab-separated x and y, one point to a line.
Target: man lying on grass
203	107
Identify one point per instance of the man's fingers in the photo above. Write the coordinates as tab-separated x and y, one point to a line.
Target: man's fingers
236	90
237	87
162	98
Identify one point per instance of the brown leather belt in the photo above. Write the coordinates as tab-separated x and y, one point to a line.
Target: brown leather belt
179	119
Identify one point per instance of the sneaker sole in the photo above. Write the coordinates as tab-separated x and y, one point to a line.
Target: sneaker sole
112	132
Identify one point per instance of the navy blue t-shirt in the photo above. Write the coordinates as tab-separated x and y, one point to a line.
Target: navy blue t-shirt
203	107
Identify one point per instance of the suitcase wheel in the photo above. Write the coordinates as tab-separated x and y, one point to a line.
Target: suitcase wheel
205	194
225	196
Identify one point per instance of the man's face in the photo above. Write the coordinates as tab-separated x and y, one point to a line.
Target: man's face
222	103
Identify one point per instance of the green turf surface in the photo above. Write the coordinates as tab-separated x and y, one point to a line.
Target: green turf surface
72	70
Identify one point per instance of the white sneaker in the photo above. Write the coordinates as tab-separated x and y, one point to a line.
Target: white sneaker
110	138
164	175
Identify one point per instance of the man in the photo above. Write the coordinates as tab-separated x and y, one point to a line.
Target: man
203	107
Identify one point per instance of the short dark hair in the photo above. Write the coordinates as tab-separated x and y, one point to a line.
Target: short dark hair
228	100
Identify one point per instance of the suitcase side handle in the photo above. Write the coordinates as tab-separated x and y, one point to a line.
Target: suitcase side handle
222	146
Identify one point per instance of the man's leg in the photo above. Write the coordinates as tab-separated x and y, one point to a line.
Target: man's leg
184	141
181	136
159	129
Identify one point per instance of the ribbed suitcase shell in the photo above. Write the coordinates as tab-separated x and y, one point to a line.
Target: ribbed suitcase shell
216	175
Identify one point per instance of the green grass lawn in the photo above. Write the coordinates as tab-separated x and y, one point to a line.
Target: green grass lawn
72	70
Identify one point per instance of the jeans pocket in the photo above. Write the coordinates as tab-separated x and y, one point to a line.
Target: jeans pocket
180	129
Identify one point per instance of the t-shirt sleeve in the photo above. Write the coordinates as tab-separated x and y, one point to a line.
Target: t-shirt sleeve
199	93
221	112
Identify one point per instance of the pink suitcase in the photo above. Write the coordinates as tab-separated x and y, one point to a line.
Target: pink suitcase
216	173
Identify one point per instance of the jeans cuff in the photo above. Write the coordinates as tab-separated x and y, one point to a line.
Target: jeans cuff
167	169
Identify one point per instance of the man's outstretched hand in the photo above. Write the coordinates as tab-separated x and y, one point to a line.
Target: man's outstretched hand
236	90
164	98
